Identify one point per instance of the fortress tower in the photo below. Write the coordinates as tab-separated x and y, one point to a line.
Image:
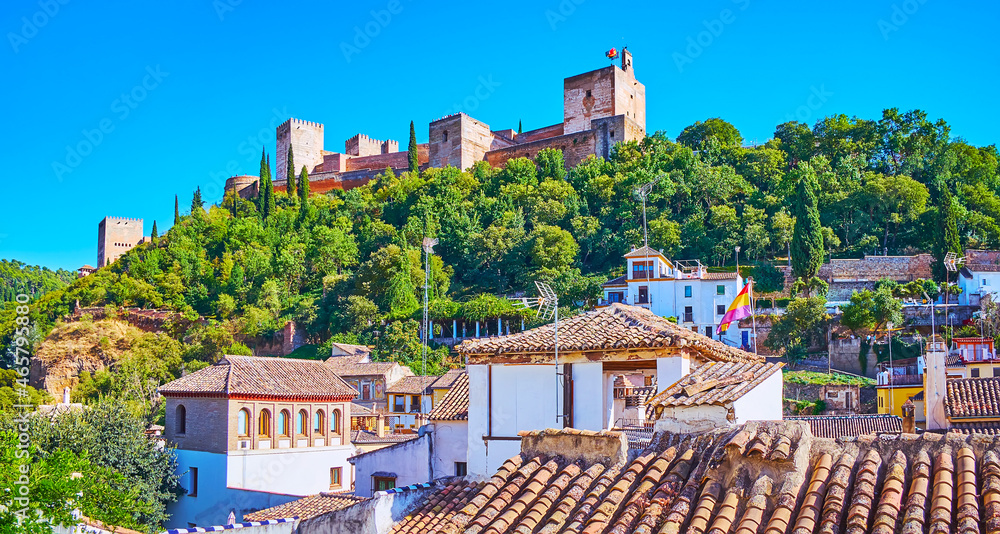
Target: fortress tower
306	140
115	236
604	93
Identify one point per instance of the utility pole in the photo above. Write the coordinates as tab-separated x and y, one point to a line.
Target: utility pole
428	248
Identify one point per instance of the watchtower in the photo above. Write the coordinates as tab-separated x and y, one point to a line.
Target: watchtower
603	93
115	236
306	140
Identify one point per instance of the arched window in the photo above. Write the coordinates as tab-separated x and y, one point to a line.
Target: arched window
335	422
319	422
264	424
302	423
243	422
284	425
181	419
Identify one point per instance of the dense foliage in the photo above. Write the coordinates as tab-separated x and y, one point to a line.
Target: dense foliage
19	278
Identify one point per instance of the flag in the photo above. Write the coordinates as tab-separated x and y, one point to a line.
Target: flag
739	309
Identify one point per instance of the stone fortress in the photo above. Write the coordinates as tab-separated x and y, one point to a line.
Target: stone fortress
600	108
116	236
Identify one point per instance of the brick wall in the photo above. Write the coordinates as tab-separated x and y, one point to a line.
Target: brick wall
306	140
458	140
205	424
630	97
576	147
362	145
381	161
873	268
540	133
244	186
116	236
588	96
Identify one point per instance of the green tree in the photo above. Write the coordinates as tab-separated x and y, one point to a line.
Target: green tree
550	164
799	328
519	127
177	211
154	233
946	231
413	160
290	175
697	134
303	187
807	238
196	201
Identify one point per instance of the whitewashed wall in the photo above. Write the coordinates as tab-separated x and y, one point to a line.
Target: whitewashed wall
588	396
451	444
762	403
296	471
410	461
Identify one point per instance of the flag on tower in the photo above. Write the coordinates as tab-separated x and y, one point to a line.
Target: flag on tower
739	309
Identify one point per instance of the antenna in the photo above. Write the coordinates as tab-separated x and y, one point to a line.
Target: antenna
952	261
546	306
642	192
429	243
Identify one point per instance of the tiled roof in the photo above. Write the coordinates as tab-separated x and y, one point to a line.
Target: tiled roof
715	383
719	276
918	397
763	477
366	436
455	404
643	252
352	350
260	376
306	507
350	366
447	380
972	397
990	428
839	426
620	281
412	385
357	409
954	359
615	328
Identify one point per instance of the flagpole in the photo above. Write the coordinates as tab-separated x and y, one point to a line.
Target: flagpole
753	317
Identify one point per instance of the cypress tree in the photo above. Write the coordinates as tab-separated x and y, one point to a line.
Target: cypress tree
154	233
177	210
196	202
265	188
290	175
807	236
413	159
946	232
303	186
519	127
264	172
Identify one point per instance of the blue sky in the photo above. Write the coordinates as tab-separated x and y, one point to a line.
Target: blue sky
112	110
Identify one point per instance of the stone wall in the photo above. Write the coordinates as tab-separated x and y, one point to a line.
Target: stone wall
630	98
245	186
205	426
839	399
362	145
381	161
576	147
586	97
874	268
458	140
116	236
844	357
540	133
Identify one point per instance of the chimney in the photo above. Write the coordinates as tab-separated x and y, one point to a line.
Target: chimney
66	395
934	384
909	426
380	425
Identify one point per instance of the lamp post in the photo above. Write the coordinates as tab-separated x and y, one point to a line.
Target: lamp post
892	371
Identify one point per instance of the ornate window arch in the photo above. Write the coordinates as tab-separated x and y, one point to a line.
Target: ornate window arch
264	424
284	423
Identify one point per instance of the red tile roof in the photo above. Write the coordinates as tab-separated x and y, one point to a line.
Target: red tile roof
972	398
306	507
989	428
764	477
613	329
717	383
455	404
852	426
720	276
447	380
413	385
350	365
262	377
366	437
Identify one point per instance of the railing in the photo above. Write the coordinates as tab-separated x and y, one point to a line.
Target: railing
900	380
634	395
638	432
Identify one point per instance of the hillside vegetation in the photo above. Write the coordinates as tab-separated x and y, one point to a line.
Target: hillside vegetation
348	266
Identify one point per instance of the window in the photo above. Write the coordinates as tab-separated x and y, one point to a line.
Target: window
181	419
264	424
399	403
612	134
335	473
366	391
319	422
284	425
881	402
687	292
446	135
415	403
193	489
461	469
975	373
720	290
383	483
302	423
720	309
335	422
243	422
588	93
615	297
986	281
688	314
643	294
708	331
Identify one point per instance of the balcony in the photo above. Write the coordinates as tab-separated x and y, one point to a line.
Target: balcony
900	380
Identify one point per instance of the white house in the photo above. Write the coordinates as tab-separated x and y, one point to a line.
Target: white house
255	432
683	289
515	384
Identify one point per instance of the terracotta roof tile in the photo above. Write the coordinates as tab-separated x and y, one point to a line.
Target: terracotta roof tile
447	380
306	507
972	398
353	365
455	404
368	437
715	383
260	376
990	428
725	482
413	385
612	329
838	426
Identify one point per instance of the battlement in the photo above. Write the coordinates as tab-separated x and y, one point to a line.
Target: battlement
362	145
287	124
122	219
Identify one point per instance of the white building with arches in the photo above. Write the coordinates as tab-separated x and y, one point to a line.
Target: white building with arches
254	432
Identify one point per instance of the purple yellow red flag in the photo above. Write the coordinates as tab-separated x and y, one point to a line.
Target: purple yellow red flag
739	309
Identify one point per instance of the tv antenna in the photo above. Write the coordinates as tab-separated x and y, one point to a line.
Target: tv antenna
642	193
428	246
546	306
